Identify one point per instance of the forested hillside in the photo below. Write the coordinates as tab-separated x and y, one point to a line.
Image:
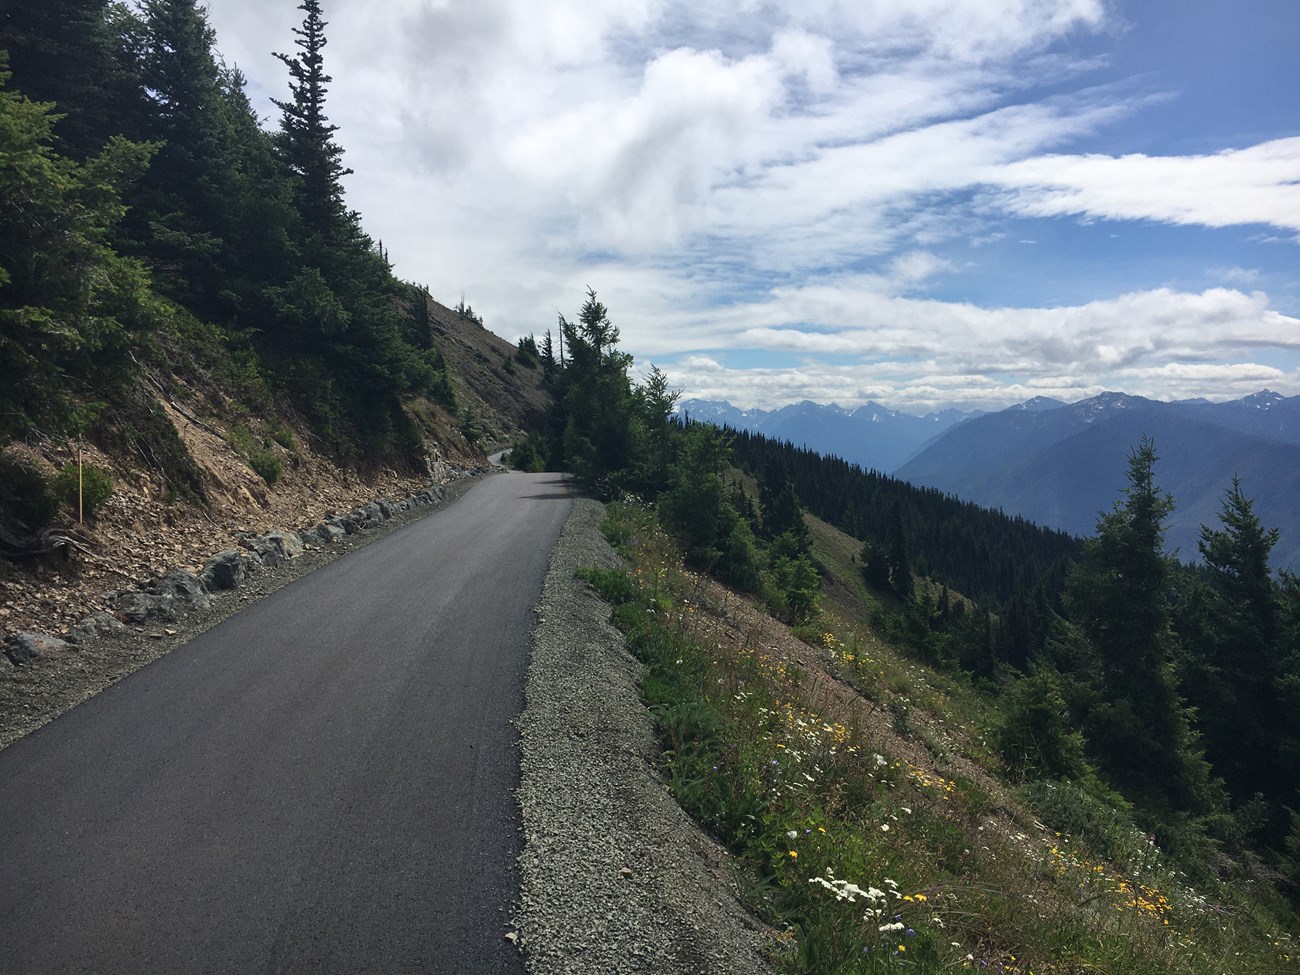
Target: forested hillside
1180	684
1112	665
1062	465
1146	714
161	251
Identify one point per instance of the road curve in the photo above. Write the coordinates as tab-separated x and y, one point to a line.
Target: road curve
322	783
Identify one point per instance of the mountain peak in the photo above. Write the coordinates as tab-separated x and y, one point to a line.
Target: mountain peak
1037	405
1262	400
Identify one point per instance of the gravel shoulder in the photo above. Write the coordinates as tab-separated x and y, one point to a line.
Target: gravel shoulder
614	876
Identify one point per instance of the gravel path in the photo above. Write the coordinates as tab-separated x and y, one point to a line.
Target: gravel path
615	877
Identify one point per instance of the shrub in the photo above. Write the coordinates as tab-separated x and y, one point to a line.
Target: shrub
283	436
25	494
267	464
1034	734
95	487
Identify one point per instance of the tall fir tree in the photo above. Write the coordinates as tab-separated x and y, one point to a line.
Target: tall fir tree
180	215
306	137
1236	650
1120	597
594	399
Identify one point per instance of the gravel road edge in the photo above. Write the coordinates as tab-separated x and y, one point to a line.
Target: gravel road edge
614	876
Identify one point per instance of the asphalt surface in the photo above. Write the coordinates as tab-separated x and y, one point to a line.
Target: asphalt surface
322	783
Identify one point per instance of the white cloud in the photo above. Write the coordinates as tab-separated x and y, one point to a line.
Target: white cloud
1105	334
851	386
1259	184
780	177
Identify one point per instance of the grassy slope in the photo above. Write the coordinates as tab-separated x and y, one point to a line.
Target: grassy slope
869	814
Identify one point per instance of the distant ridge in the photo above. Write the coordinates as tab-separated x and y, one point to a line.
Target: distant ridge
871	436
1062	465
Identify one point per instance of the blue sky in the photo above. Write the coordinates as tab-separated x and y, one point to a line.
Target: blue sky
926	203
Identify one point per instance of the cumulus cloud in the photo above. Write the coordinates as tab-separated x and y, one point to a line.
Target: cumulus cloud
919	353
851	386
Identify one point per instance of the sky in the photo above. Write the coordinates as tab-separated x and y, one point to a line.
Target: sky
921	203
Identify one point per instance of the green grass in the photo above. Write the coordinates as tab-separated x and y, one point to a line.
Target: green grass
870	846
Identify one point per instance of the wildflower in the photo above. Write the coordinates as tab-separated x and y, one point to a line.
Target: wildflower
793	834
896	926
794	854
884	827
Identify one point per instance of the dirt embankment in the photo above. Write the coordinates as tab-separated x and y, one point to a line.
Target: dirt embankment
144	531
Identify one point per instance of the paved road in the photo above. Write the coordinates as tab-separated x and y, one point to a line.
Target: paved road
323	783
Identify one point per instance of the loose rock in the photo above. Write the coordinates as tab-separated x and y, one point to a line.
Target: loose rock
93	627
225	570
278	546
28	647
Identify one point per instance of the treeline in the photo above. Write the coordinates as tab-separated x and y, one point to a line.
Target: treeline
1113	665
986	555
146	215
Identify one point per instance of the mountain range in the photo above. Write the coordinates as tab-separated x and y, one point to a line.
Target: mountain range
871	436
1062	464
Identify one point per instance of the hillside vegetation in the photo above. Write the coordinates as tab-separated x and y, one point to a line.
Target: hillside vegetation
189	312
915	777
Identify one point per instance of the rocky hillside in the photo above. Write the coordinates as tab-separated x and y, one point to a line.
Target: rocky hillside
211	468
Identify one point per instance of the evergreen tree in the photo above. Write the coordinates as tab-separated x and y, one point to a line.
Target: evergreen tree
68	302
262	226
698	509
179	215
547	354
657	402
1237	658
1120	597
875	565
79	55
306	136
594	402
782	512
1034	734
900	567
